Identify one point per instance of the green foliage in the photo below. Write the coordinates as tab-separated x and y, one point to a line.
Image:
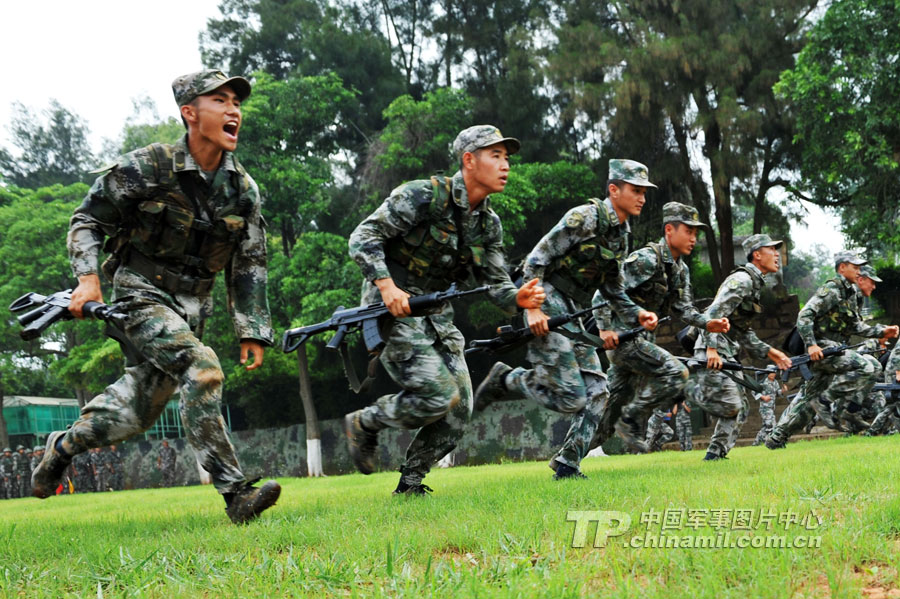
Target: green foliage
805	272
143	128
52	149
703	283
845	95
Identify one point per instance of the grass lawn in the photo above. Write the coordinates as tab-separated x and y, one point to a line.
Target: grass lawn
829	511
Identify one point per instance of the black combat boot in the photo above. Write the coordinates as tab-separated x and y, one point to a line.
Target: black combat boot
419	489
630	433
564	471
249	502
492	388
361	442
46	477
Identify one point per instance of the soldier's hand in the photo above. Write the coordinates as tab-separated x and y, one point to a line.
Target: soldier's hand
891	332
766	397
530	295
713	359
88	290
815	353
780	358
537	321
249	346
897	376
718	325
648	320
395	299
610	339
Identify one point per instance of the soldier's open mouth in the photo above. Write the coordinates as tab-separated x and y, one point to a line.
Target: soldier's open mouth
231	128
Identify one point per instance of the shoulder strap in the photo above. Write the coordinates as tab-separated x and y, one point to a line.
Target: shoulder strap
440	195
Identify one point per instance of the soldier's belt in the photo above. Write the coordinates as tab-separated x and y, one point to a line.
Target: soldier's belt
165	278
570	289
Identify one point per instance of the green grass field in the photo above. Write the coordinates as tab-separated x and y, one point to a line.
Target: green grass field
489	531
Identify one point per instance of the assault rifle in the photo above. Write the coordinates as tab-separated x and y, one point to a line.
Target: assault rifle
372	320
509	337
801	363
44	310
891	390
590	334
694	364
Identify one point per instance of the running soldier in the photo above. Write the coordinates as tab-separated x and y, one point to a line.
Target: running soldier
658	430
582	254
841	383
889	417
175	216
737	299
426	236
643	376
683	427
771	389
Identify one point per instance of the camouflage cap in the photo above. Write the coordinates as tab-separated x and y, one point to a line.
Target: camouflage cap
867	271
629	171
482	136
760	240
38	448
7	450
20	447
675	212
848	256
187	87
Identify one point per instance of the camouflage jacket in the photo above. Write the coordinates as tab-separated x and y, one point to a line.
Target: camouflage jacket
893	365
6	467
109	209
831	316
581	224
770	388
22	463
655	280
738	300
166	458
408	207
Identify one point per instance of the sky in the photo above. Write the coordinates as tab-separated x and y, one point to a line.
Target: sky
97	56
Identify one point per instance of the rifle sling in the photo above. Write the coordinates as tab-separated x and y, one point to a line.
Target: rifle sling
355	385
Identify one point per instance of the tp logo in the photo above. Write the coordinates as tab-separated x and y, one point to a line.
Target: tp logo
609	524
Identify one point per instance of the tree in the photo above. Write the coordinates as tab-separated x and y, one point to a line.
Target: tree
143	128
845	95
709	68
52	150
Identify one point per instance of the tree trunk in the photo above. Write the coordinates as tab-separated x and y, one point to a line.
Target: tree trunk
313	436
83	396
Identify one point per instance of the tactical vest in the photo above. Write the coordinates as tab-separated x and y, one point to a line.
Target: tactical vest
655	294
431	256
170	242
585	267
839	322
749	308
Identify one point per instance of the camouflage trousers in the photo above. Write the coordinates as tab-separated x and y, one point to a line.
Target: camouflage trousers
4	489
839	384
25	484
658	430
436	395
168	476
767	415
684	430
174	359
642	377
721	397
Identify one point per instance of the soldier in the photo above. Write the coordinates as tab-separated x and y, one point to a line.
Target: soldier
658	430
642	375
840	383
582	254
175	216
82	474
426	236
98	468
889	417
115	466
7	474
165	463
683	427
23	470
36	454
771	391
737	299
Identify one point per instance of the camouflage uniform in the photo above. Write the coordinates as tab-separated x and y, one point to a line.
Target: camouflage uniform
7	474
712	390
658	430
115	467
171	231
767	409
580	255
167	465
642	375
425	237
889	416
23	472
98	467
83	473
840	382
684	429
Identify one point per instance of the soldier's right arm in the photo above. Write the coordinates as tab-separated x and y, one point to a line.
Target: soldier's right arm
731	293
576	226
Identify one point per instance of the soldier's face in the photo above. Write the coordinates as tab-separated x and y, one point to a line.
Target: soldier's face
769	259
681	238
848	271
489	167
628	198
216	118
866	285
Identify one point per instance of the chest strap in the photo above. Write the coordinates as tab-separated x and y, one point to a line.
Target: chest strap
167	279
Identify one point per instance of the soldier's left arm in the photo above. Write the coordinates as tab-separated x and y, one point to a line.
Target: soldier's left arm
246	278
683	304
